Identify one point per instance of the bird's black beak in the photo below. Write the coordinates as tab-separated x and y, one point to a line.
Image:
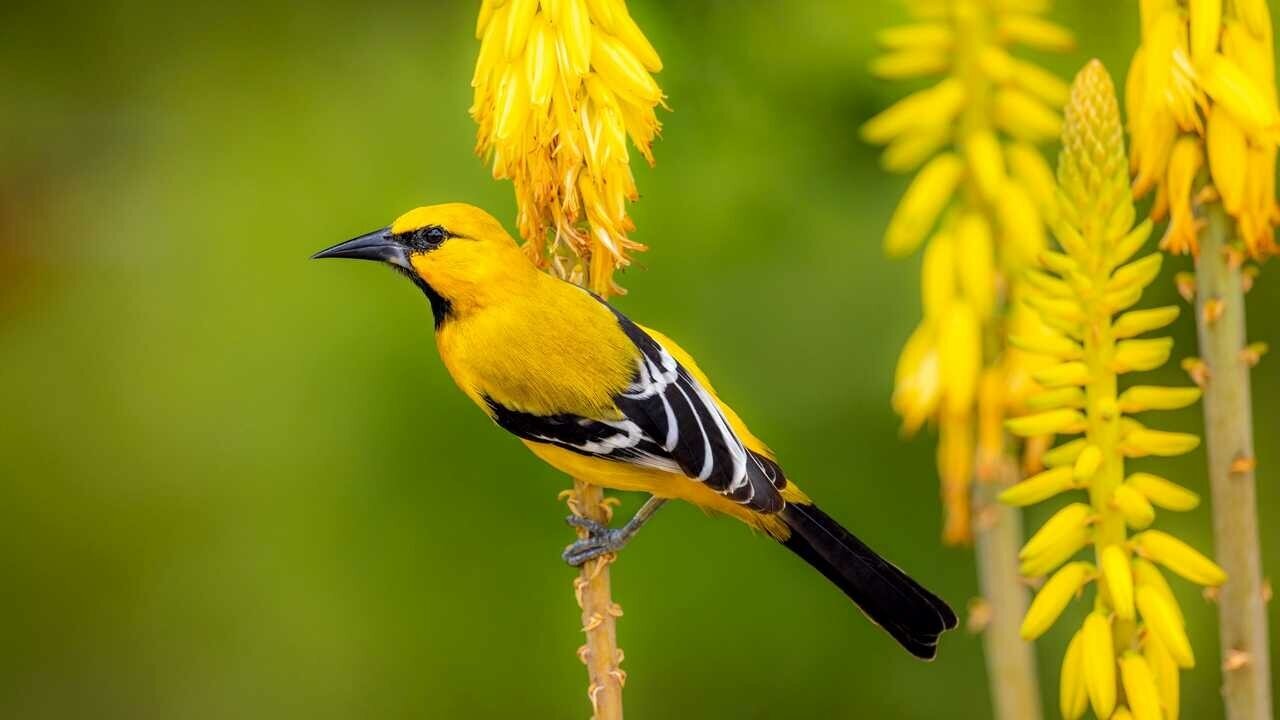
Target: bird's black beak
378	245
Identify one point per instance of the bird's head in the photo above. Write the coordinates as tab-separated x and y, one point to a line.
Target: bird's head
458	254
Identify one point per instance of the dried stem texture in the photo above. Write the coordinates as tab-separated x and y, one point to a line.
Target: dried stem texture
600	653
1242	601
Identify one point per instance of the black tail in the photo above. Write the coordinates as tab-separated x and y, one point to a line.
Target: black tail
914	616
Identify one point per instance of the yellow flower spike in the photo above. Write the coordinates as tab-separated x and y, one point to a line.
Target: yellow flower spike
1164	623
1035	32
1063	523
1053	598
1164	493
1140	687
1118	578
1041	486
1179	557
1134	506
1087	464
1065	454
1141	398
1165	672
1099	659
1073	698
1228	154
1146	574
975	257
1137	322
1206	22
922	203
1140	355
1052	422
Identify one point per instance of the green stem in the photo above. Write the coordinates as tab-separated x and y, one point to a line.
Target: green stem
1242	605
1011	661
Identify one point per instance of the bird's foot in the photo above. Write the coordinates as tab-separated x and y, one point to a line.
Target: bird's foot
600	540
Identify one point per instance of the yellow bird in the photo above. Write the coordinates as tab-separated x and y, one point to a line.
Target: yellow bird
619	405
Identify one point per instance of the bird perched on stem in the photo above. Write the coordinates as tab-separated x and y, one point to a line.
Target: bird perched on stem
619	405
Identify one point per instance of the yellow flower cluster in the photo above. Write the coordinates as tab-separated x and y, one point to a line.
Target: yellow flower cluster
1134	637
1201	88
988	191
559	86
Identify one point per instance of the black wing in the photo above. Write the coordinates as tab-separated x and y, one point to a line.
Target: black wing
670	422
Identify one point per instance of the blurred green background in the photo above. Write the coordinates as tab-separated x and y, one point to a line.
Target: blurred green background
237	483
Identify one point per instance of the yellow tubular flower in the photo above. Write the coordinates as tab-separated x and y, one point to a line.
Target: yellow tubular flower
1201	92
559	88
978	205
1135	622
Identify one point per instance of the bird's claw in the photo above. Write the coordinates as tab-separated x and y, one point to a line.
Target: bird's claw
600	540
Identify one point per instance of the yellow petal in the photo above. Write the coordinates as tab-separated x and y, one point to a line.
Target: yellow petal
1067	397
1146	574
907	151
1021	228
1133	241
1140	398
1052	422
1068	373
1179	557
630	35
909	64
933	36
1139	273
1053	598
1099	664
1087	464
960	355
1164	493
1225	143
621	70
1024	116
540	61
1066	453
932	107
938	275
1040	82
1136	322
1165	672
986	165
1162	621
1048	343
922	202
574	24
1040	486
975	261
1206	22
1140	687
1229	86
519	21
1121	713
1118	577
1073	698
1134	355
1035	32
1065	521
1030	170
917	380
1134	506
1141	441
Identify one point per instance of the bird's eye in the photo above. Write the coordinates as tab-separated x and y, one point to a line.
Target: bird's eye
429	237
